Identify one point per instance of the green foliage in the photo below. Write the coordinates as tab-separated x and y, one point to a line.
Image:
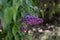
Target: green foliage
14	30
9	36
42	12
29	37
7	17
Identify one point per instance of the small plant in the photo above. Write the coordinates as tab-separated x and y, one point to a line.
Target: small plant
16	16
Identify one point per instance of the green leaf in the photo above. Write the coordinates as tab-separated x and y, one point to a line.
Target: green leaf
14	2
7	17
29	2
36	8
22	35
14	30
9	36
0	15
23	14
16	37
0	2
42	12
14	10
29	37
30	11
15	7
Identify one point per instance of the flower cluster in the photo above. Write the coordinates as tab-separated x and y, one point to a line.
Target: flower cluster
31	20
23	29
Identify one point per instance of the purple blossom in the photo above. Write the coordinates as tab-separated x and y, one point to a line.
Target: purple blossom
39	20
23	29
29	17
31	20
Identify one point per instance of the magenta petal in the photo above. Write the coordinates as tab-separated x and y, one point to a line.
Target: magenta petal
29	23
31	20
29	16
23	29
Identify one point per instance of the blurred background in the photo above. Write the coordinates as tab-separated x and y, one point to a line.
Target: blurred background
13	11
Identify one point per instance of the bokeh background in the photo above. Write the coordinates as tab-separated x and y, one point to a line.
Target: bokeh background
29	19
